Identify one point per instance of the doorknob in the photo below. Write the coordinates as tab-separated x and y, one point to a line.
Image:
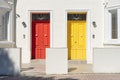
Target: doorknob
45	35
81	36
36	35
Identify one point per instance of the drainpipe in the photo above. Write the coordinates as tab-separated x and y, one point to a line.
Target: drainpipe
13	31
14	22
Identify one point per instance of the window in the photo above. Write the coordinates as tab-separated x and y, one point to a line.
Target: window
112	26
113	23
76	16
41	16
4	26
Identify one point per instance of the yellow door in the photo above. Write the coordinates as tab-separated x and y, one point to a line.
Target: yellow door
77	40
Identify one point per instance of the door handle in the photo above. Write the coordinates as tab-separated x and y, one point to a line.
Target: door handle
36	35
45	35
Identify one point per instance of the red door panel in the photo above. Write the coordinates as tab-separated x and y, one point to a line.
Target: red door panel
40	39
42	53
37	34
37	53
40	31
46	35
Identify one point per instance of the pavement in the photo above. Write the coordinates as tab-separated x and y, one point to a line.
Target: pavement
77	70
85	76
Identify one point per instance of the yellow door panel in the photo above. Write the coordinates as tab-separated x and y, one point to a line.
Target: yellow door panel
84	55
73	52
77	40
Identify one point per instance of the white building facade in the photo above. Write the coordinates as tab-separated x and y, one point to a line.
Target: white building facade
98	31
102	25
58	23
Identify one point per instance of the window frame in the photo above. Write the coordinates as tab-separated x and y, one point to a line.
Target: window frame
9	28
108	28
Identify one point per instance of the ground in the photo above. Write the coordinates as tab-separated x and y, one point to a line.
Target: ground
81	76
36	71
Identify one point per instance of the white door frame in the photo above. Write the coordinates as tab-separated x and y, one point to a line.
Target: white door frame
88	31
30	27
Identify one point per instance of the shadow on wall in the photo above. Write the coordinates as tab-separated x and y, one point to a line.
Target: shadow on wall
6	65
33	78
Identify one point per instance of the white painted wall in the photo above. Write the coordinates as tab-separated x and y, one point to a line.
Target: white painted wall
113	3
56	61
106	60
108	42
59	26
10	63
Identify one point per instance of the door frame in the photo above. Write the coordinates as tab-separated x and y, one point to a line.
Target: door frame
30	28
88	32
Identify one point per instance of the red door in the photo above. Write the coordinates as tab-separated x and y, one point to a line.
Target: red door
40	38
